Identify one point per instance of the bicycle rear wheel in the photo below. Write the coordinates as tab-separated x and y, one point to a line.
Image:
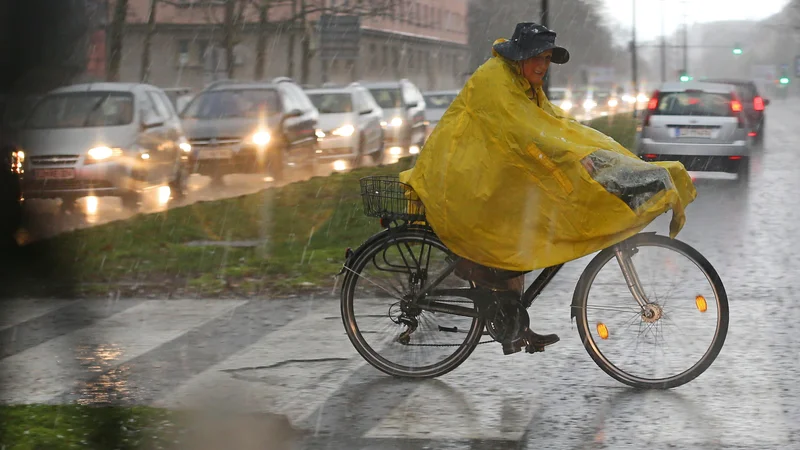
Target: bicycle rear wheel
685	300
378	316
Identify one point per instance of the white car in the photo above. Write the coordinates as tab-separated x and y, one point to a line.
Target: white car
103	139
349	126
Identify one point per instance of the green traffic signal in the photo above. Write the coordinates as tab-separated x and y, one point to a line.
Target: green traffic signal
784	80
685	78
737	51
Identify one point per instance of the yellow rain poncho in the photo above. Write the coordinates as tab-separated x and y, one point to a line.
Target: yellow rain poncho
512	182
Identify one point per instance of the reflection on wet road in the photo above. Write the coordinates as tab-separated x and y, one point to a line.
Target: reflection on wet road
50	217
292	356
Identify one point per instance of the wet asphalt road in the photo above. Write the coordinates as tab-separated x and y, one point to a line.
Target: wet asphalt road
292	357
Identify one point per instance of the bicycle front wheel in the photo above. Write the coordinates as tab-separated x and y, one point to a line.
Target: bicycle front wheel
675	337
383	324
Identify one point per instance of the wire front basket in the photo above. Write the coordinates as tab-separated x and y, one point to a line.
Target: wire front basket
386	197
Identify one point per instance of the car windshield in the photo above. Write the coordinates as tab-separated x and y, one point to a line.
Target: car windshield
330	103
388	98
233	103
439	101
693	103
82	110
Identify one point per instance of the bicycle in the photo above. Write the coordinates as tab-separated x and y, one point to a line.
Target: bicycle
426	296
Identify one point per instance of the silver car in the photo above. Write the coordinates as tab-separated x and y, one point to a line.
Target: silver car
702	125
436	103
403	115
349	127
103	139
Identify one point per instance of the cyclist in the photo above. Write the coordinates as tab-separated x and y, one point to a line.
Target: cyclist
511	183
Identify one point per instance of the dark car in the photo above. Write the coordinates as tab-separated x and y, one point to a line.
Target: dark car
252	127
753	104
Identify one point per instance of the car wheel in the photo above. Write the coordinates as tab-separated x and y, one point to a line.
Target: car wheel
275	167
131	200
743	174
179	185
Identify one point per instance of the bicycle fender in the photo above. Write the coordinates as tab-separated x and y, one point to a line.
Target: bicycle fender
351	255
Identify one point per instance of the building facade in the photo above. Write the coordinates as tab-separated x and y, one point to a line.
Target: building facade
422	40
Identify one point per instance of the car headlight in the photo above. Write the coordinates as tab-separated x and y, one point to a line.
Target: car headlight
384	123
184	145
397	122
260	138
320	134
566	105
102	153
589	104
344	130
613	102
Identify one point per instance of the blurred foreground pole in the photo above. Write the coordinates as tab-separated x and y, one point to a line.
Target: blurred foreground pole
634	66
546	24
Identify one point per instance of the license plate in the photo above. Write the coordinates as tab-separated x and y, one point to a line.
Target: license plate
221	153
55	174
694	132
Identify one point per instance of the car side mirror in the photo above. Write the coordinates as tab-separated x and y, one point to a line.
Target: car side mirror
151	121
293	113
366	111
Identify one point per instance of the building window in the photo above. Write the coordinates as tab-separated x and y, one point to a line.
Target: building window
183	52
202	46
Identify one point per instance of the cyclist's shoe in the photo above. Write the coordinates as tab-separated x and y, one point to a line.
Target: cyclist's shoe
531	341
535	342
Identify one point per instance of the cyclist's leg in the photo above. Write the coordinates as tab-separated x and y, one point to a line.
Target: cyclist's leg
508	289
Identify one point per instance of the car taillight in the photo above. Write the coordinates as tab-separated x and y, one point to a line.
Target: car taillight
652	105
736	110
758	104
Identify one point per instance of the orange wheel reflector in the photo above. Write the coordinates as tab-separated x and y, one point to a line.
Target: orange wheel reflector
602	330
701	303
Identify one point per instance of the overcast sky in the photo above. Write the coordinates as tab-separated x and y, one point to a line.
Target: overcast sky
649	13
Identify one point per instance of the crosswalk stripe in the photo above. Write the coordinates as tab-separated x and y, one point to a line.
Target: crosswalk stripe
42	372
290	371
16	311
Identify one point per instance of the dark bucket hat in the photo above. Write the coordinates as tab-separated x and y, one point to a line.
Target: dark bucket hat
529	40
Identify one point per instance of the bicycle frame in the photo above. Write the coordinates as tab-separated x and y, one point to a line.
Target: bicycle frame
622	252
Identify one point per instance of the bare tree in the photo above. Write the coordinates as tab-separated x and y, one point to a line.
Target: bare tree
264	7
144	73
301	18
117	29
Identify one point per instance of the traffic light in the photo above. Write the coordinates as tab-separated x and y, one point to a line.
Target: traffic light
685	78
737	49
784	80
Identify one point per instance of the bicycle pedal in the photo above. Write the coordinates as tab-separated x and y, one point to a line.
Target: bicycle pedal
514	347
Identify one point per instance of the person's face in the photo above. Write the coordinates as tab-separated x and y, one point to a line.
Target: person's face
534	69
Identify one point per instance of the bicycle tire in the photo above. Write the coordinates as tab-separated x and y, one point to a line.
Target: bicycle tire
580	298
458	357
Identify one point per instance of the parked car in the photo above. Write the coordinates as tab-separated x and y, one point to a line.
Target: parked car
349	125
103	139
436	103
754	107
252	127
702	125
403	115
